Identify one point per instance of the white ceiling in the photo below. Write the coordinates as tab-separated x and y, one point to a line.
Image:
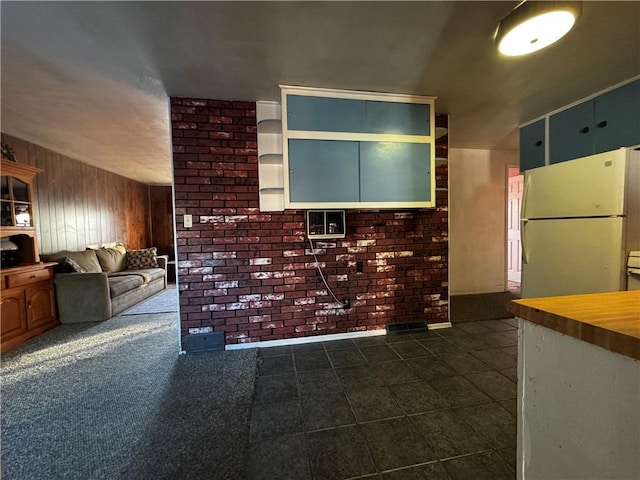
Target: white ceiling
91	80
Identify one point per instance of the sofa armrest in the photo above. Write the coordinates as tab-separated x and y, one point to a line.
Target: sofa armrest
83	297
162	261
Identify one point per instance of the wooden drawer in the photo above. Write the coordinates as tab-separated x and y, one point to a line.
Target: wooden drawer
26	278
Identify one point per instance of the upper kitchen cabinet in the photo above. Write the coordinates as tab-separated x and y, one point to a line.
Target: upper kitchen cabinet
600	123
571	133
345	149
606	122
532	145
617	118
324	114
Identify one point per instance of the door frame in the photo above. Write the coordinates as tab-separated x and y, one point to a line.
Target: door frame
506	222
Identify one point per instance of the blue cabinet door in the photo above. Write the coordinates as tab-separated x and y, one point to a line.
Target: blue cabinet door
323	114
397	118
323	171
532	145
395	172
617	118
571	133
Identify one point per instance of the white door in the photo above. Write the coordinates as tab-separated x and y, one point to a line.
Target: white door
514	246
569	257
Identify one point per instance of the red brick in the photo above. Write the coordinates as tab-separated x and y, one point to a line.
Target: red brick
215	165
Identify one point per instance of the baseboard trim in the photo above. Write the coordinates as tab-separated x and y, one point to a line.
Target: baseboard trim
323	338
301	340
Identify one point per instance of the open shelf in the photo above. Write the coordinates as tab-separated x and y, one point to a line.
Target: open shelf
270	160
270	126
272	199
441	132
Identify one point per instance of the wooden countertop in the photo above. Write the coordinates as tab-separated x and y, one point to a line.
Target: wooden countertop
609	320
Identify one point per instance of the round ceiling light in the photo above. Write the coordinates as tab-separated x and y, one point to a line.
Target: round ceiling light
532	26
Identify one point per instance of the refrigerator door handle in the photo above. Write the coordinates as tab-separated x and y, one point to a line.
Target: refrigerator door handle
523	223
525	194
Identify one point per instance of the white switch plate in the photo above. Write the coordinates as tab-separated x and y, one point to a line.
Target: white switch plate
188	221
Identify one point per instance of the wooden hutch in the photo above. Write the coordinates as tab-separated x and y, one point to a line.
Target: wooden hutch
27	300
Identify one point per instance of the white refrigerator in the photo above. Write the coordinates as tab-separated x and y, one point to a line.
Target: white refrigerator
579	220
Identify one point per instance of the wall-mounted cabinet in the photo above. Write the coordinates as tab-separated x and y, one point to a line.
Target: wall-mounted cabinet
357	149
598	124
606	122
533	145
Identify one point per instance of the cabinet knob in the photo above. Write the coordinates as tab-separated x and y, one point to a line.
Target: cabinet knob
538	143
602	124
584	130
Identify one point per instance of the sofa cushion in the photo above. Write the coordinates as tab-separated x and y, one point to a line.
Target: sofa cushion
86	259
143	258
111	259
120	284
147	274
69	265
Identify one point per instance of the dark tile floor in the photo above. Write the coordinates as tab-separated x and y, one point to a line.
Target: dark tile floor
438	405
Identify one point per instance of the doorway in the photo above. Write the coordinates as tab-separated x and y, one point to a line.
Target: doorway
515	182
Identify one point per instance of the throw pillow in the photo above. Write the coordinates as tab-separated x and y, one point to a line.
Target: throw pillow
111	259
87	259
69	265
120	247
144	258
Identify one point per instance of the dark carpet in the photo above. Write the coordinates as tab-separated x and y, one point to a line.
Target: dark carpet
484	306
114	400
164	302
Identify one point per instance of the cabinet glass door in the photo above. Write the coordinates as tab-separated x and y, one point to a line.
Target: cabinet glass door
5	214
22	214
323	114
4	189
395	172
397	118
20	190
323	171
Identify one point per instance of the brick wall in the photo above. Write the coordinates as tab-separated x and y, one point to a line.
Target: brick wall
252	274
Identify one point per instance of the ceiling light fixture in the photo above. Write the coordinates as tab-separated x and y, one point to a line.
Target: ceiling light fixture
531	26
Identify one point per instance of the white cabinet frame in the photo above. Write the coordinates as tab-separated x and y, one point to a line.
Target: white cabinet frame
362	137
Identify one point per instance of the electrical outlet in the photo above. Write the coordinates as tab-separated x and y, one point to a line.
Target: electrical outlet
346	303
188	221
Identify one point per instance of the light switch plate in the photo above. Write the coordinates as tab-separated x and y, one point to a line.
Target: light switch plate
188	221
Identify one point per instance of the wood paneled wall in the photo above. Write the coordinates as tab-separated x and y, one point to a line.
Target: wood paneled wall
79	205
161	204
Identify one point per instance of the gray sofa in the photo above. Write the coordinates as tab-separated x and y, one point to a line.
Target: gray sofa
96	284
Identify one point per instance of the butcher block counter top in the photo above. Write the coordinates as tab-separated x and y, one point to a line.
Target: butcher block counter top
609	320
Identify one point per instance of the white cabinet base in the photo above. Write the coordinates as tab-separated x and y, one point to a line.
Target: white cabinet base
578	408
